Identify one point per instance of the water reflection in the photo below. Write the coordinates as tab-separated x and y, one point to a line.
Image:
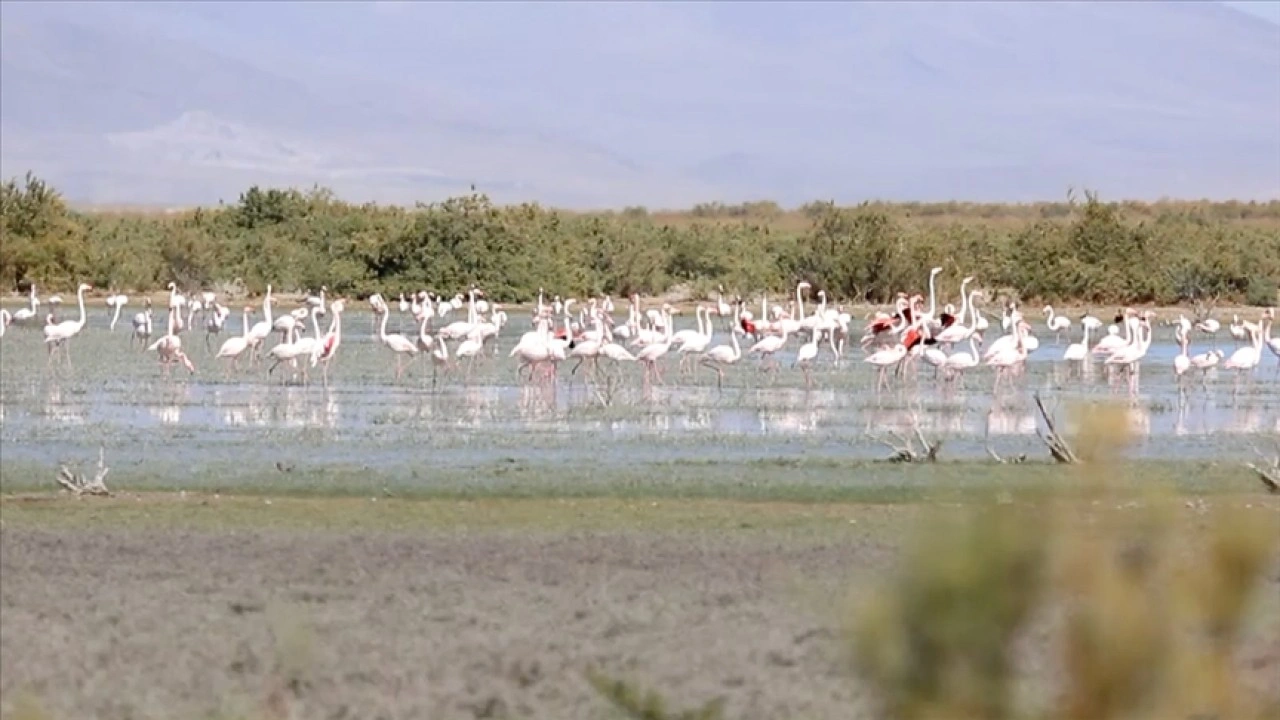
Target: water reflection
59	409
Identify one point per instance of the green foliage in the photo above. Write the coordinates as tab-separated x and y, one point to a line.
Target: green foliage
936	640
298	240
1151	628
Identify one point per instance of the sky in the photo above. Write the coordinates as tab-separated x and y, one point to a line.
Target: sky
1268	9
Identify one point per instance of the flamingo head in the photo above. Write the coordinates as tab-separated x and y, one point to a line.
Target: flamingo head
966	281
84	286
1047	309
935	271
978	337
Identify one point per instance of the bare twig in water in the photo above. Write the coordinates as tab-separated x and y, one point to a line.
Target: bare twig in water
986	443
78	484
1268	471
904	449
1058	447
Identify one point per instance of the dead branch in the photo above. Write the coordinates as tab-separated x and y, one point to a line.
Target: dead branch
986	443
1058	447
905	451
77	484
1268	471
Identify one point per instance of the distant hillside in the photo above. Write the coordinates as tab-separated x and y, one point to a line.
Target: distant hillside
660	104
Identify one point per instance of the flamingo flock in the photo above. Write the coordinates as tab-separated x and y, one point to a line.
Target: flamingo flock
949	339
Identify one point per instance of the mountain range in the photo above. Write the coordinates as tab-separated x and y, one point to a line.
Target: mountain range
659	104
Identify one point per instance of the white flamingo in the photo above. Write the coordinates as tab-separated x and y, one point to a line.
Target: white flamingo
261	330
234	347
1056	323
169	346
1245	359
650	354
1272	343
142	324
957	363
718	357
1006	359
806	355
332	340
396	343
767	346
22	316
885	359
116	301
1181	361
696	344
58	335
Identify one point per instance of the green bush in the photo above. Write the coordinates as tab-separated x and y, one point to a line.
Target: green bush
1093	252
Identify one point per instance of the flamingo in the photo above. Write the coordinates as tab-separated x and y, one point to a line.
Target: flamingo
1182	361
5	319
1204	362
769	345
884	359
1273	343
317	302
142	324
589	349
1006	358
117	302
213	325
699	342
262	329
1056	323
1238	330
806	355
1245	359
1131	355
534	348
234	347
650	354
439	358
59	334
287	351
722	308
22	316
957	332
308	347
1210	327
1078	352
332	340
958	363
469	348
723	355
397	343
169	346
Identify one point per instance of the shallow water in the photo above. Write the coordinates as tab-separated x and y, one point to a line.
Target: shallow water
238	426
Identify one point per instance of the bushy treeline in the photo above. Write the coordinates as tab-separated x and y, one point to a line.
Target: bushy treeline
1088	251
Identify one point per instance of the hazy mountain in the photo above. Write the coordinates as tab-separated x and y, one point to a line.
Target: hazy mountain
661	104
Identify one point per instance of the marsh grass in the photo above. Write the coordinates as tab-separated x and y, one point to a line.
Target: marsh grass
1152	604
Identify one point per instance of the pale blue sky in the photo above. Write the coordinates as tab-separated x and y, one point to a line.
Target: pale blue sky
1269	9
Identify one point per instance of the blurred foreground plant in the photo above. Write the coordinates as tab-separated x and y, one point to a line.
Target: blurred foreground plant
1152	605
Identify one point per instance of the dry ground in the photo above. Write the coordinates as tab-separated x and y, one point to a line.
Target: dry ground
157	607
460	623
